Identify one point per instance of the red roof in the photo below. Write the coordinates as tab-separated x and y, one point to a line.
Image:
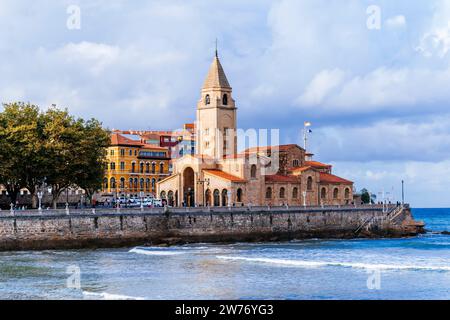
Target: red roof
301	169
224	175
282	178
154	147
283	147
316	164
329	178
119	140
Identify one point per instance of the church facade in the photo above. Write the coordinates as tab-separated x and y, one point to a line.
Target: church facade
217	175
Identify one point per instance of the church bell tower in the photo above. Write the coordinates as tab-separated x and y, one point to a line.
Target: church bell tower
216	115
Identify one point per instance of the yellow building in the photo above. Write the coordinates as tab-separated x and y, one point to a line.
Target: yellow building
134	167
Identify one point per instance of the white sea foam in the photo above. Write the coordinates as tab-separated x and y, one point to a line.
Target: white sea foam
155	252
109	296
317	264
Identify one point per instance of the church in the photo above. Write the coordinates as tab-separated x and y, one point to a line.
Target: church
216	175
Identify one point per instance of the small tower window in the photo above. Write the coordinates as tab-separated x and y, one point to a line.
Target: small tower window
225	99
207	100
253	171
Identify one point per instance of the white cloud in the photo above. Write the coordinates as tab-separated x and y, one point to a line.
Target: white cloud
396	22
424	185
392	90
435	42
321	86
95	56
425	139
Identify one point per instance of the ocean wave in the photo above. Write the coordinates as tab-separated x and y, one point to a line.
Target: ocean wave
318	264
155	252
110	296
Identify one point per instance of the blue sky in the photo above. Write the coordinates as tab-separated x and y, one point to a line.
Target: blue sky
378	99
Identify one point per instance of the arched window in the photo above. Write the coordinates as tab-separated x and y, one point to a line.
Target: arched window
122	183
282	193
207	100
147	184
161	167
208	198
216	198
130	184
310	184
295	193
253	171
170	198
142	167
225	99
163	195
269	193
347	193
141	184
105	184
153	168
133	167
113	183
239	195
335	193
153	184
136	181
224	197
147	167
323	193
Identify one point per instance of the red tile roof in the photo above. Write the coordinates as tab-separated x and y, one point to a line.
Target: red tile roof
119	140
224	175
153	147
301	169
329	178
278	178
316	164
283	147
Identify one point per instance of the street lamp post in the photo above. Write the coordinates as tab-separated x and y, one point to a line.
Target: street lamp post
307	124
40	194
203	182
141	194
304	198
67	200
403	192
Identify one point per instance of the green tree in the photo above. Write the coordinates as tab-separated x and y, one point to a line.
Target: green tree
365	196
22	158
51	147
92	157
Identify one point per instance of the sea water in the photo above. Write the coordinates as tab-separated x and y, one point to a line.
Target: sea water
413	268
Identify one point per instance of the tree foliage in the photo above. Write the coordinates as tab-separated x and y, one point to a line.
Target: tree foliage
50	147
365	196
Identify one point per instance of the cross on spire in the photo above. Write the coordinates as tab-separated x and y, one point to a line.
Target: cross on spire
217	51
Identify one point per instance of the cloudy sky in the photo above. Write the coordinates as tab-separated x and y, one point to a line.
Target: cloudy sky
378	97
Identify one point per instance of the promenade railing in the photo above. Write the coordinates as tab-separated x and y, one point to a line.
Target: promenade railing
385	209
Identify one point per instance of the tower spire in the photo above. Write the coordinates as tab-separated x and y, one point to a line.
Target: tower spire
217	51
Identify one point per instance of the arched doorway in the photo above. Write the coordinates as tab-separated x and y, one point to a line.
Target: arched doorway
216	198
224	197
189	187
208	198
170	198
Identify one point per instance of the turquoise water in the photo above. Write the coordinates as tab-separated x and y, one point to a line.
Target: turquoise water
415	268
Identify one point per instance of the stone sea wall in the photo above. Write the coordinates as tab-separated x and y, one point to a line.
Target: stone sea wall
23	230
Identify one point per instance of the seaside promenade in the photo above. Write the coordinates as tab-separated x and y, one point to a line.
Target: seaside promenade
87	228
